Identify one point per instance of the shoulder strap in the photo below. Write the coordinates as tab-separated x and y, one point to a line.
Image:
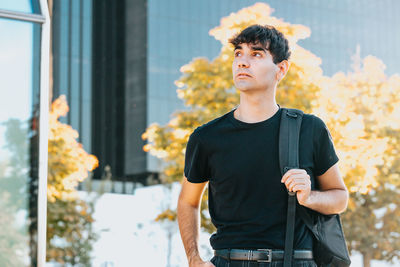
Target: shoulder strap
289	134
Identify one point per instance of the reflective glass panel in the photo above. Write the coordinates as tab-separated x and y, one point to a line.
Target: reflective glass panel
19	110
26	6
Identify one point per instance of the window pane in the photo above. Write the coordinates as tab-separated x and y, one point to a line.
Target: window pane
19	110
27	6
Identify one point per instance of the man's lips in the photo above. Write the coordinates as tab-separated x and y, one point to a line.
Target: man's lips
242	74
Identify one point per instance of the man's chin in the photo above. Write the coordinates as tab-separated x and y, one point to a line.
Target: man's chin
244	88
243	85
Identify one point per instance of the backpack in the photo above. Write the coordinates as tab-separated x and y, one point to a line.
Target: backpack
329	245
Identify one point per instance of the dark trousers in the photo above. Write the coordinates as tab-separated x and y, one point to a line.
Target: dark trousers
221	262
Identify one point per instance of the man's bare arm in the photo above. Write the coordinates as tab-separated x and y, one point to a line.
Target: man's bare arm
189	220
332	196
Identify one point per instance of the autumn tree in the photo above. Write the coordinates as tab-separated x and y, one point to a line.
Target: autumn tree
69	219
362	109
206	86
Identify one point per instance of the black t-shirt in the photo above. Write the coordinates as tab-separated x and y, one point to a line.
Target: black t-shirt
247	201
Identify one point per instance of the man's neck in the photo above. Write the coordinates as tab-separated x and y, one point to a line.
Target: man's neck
255	107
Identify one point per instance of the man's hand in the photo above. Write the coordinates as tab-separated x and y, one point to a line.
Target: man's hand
189	220
297	180
332	196
200	263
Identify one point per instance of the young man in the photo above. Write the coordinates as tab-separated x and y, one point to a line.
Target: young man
237	156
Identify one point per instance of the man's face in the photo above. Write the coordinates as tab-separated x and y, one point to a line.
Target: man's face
253	68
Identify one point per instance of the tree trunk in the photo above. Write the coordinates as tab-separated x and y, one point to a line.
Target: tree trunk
366	259
169	249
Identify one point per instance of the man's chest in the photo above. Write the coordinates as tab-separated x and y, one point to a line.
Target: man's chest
244	158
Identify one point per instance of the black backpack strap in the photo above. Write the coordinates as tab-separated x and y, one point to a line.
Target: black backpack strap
289	134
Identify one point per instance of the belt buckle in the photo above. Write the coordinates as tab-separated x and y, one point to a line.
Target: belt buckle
269	251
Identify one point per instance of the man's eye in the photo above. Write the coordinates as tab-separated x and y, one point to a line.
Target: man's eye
237	54
257	54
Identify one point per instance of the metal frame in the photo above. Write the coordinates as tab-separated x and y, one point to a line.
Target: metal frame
44	20
43	133
22	16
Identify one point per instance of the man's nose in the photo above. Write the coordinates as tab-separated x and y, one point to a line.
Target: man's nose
243	63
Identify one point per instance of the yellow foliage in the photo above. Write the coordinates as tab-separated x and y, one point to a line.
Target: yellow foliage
359	108
68	162
206	86
168	214
259	13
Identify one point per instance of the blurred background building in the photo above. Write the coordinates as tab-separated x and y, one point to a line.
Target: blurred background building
116	61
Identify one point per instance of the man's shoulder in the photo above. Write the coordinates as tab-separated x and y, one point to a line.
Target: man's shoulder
315	120
308	118
314	123
311	121
212	125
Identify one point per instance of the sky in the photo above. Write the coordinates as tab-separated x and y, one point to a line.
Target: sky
16	5
15	73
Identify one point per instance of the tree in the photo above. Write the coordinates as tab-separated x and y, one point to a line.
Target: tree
207	88
69	218
362	110
14	177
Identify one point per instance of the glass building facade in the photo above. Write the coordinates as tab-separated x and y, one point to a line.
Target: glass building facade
178	32
117	62
23	131
72	63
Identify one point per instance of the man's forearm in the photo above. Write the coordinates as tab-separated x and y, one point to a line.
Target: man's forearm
189	226
332	201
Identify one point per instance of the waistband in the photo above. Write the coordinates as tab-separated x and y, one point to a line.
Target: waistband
261	255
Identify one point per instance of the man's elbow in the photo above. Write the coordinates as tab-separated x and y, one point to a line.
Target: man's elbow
185	202
344	200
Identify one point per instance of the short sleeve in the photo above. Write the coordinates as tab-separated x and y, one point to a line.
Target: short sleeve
196	166
324	150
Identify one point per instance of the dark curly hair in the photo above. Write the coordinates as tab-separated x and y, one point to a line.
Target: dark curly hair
269	37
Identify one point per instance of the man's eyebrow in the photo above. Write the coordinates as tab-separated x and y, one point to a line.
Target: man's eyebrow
258	48
253	47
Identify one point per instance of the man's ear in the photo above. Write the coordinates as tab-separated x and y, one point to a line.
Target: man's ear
283	69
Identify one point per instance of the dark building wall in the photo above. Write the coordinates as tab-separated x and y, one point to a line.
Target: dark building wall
108	138
135	86
119	87
100	64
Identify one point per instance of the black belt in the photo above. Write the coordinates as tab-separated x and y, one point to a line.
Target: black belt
260	255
